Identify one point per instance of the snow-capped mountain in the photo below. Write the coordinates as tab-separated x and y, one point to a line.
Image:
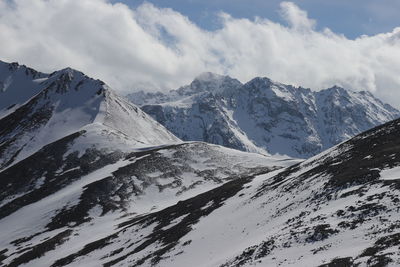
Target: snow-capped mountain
47	107
264	116
339	208
78	160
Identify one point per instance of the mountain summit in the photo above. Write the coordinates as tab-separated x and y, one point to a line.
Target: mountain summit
264	116
38	109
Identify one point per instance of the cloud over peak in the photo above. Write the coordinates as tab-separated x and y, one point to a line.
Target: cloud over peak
150	47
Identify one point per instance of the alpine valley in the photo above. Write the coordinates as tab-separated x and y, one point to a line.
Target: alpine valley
90	179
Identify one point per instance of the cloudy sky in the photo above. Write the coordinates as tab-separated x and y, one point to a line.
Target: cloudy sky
163	44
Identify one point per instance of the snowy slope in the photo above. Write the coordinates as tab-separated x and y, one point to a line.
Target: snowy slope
77	160
339	208
264	116
75	191
65	101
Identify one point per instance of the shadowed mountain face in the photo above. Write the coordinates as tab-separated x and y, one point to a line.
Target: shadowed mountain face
264	116
77	160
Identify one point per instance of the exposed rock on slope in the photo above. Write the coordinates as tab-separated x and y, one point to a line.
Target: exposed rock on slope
339	208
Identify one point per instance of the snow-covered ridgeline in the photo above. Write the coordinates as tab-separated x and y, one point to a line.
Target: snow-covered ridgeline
264	116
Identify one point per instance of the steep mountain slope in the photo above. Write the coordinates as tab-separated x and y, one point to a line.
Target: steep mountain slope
71	188
339	208
77	160
264	116
63	102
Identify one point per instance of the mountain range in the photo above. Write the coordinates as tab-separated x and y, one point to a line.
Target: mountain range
89	179
70	146
264	116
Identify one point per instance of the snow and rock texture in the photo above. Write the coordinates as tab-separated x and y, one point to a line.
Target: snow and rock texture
264	116
339	208
47	107
84	195
77	161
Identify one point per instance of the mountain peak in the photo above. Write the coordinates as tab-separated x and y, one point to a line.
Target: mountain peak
264	80
259	82
62	103
70	72
211	82
13	67
71	80
209	76
337	89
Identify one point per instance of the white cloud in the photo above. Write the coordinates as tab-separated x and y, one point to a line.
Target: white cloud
160	48
296	17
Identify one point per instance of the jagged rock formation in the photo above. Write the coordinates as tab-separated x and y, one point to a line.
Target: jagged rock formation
264	116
